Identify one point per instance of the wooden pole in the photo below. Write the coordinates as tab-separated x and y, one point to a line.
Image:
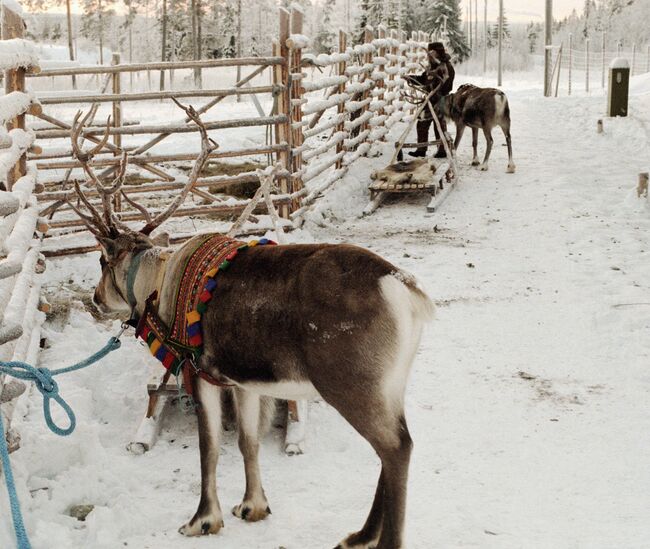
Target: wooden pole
283	129
296	109
163	41
642	186
117	119
548	40
70	46
343	44
238	40
167	65
14	27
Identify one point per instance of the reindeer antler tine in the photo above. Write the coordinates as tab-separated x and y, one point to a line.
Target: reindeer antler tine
207	146
102	143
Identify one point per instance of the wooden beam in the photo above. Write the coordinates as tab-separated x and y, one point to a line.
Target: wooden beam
166	65
149	96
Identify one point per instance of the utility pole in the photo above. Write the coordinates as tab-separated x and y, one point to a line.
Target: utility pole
548	41
500	41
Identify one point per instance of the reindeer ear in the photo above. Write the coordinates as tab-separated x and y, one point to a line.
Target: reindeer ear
108	245
161	239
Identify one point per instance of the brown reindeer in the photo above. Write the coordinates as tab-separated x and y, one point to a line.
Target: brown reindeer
480	109
289	322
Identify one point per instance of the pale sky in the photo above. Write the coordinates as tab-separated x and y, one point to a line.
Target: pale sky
525	10
521	11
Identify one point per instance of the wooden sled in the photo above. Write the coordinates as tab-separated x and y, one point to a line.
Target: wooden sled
419	175
162	390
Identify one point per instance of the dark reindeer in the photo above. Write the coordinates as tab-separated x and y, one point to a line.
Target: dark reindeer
289	322
480	109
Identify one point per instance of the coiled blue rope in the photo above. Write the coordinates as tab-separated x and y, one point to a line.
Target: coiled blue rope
43	378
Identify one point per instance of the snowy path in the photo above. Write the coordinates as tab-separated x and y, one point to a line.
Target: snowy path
528	403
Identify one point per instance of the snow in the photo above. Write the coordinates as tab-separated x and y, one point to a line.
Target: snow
619	63
14	104
298	41
528	401
17	53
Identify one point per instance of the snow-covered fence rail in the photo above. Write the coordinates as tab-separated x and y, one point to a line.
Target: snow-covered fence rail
20	260
338	118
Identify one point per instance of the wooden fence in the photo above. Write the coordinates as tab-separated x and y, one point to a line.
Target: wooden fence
20	259
318	127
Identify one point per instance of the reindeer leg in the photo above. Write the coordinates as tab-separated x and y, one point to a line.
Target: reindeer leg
460	129
511	165
208	518
254	507
475	160
488	149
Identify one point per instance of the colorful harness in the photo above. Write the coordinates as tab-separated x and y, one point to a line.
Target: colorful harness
181	344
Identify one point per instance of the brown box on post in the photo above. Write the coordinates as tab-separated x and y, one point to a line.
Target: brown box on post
619	87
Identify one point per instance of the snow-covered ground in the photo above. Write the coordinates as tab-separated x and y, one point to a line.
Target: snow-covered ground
529	400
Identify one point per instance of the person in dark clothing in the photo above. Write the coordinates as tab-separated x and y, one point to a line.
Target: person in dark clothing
439	74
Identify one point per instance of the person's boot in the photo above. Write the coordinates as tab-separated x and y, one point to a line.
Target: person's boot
422	128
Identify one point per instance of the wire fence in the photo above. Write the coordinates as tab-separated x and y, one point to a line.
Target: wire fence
575	69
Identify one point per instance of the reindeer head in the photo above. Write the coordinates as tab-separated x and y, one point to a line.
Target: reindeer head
123	247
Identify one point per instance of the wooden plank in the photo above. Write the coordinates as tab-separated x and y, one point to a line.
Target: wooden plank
169	128
166	65
150	96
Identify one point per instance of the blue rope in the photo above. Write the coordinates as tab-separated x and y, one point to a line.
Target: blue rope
43	378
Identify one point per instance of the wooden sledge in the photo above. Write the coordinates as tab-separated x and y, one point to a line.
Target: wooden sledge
415	176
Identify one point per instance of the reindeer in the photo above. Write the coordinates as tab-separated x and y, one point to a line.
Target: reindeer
290	322
480	109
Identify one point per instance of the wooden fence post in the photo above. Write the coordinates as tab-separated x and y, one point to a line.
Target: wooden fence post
283	129
381	84
368	37
13	26
340	109
117	118
297	137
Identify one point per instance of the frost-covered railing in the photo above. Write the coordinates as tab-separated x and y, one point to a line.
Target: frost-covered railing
353	102
20	260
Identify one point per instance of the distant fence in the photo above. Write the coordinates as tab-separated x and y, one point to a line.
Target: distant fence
586	68
323	113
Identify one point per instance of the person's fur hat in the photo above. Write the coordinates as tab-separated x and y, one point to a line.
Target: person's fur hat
439	48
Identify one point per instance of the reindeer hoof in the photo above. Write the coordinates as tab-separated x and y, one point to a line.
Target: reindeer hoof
202	526
475	163
351	543
511	168
484	167
250	512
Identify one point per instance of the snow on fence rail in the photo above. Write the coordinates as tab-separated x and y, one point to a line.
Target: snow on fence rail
320	124
20	259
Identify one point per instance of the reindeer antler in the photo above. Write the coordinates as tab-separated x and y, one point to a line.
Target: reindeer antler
207	146
107	223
